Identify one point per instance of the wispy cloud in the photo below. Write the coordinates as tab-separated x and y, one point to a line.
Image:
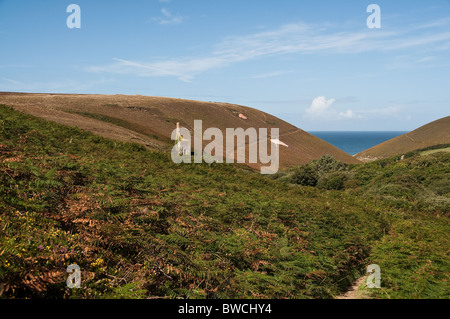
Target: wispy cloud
386	111
298	38
348	99
168	18
349	114
270	74
63	85
183	69
15	66
404	62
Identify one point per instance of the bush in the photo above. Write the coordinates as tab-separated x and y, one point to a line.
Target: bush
332	181
305	176
328	163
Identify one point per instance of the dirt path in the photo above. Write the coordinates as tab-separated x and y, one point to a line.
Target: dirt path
354	292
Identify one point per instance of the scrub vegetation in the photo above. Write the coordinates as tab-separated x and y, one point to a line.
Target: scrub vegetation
140	226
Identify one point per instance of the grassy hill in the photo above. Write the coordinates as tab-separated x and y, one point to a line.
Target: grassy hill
140	226
150	121
434	133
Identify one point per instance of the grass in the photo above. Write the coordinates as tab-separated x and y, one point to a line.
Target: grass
447	149
429	135
140	226
122	123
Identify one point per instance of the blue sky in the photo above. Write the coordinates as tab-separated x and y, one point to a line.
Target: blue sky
315	64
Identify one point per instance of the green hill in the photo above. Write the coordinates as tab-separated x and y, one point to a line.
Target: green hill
140	226
150	121
434	133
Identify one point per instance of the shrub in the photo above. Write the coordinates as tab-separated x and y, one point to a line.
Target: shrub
332	181
328	163
305	176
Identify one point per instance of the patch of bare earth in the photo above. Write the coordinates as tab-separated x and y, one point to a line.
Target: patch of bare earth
356	291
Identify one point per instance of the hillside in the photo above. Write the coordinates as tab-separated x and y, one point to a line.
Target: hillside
434	133
150	121
140	226
415	193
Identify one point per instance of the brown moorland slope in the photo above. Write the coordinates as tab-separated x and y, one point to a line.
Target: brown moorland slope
150	120
434	133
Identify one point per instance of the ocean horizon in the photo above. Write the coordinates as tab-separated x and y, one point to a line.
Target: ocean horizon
354	142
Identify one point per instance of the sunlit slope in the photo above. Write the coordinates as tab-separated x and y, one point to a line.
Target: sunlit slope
150	120
434	133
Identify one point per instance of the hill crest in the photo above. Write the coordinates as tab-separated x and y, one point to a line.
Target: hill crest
433	133
150	120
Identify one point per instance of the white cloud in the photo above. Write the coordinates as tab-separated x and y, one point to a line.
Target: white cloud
349	114
320	107
323	109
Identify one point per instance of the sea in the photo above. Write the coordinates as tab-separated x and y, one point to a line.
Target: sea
353	142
